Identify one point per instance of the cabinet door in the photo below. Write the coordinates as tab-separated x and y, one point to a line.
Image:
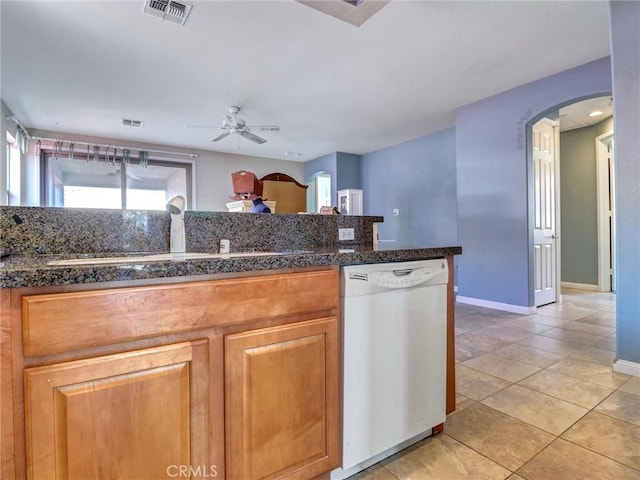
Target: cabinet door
139	414
282	401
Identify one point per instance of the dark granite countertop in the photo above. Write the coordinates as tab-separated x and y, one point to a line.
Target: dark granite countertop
18	271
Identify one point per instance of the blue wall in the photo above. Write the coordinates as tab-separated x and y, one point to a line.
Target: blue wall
349	171
492	180
625	52
344	169
579	202
480	174
419	178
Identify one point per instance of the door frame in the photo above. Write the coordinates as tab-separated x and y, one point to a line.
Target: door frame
558	239
605	191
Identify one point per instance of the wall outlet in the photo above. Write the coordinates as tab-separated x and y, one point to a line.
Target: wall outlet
346	234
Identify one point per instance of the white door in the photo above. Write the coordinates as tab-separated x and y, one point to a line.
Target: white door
544	211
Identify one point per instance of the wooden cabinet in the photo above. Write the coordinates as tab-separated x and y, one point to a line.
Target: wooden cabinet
282	401
139	381
131	415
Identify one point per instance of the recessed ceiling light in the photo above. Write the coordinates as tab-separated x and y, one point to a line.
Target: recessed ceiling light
595	113
293	154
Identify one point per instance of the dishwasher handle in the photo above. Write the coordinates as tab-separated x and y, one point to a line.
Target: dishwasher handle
403	273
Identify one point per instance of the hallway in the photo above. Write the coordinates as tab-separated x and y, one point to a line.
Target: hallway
536	399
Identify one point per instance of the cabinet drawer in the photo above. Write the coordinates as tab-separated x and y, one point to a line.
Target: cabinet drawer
61	322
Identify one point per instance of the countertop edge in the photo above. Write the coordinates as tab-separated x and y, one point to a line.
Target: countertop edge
25	272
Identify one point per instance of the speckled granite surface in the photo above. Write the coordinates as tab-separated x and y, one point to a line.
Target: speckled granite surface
35	236
51	231
35	230
33	271
248	231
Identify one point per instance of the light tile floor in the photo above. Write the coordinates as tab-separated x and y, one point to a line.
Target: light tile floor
536	399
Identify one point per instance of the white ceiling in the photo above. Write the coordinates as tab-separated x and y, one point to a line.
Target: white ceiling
576	115
82	66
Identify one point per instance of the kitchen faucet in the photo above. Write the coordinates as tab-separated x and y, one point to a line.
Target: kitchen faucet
175	206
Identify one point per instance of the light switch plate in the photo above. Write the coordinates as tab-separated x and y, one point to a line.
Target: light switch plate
346	234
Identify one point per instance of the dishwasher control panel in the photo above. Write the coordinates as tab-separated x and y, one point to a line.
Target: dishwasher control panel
363	279
401	278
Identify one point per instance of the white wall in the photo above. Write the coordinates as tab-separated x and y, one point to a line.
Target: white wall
213	176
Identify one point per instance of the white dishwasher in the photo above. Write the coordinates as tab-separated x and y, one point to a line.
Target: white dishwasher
394	378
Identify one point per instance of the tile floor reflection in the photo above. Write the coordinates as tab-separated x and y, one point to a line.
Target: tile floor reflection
536	400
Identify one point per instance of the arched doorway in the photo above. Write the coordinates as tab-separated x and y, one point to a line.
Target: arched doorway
318	191
568	248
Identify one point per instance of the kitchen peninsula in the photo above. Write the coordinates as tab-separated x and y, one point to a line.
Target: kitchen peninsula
211	367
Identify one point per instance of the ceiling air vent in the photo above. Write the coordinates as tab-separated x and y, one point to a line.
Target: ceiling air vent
176	12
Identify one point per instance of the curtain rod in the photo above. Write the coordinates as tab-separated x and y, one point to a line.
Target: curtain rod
111	145
21	127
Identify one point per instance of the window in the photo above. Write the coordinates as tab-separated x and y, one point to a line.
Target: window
81	183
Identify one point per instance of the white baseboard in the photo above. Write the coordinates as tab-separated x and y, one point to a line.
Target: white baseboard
505	307
580	286
624	366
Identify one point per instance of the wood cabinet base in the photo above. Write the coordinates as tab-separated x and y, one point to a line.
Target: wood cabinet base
132	380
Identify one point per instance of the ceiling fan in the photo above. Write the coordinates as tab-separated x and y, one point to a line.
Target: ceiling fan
231	124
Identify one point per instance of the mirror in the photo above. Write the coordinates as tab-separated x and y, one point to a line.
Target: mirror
208	175
70	182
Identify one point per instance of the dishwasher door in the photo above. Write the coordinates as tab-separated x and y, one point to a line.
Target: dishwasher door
394	357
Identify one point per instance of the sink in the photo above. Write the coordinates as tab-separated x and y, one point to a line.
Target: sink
174	257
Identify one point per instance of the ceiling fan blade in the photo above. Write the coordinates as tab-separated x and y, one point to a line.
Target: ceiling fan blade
265	128
221	136
200	126
252	137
